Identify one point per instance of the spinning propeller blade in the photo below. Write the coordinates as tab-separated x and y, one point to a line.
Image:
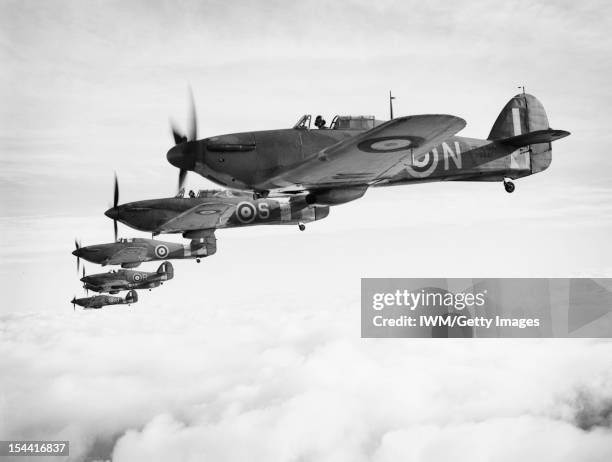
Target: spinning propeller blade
86	289
181	179
77	245
178	137
115	203
116	192
193	120
181	138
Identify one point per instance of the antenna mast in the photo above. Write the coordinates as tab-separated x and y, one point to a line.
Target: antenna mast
391	98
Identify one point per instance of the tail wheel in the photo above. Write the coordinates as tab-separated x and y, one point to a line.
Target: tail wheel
509	186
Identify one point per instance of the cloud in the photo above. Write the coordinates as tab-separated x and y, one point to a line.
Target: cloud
523	438
290	382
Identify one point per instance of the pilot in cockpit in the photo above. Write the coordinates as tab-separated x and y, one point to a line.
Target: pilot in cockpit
320	122
191	194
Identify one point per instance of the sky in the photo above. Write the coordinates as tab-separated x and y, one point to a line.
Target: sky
256	350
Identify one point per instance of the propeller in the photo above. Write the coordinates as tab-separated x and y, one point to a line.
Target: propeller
181	179
77	245
86	289
115	203
181	138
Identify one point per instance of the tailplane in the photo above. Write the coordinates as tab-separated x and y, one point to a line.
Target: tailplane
539	136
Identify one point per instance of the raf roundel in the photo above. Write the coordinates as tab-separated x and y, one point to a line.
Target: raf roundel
161	251
387	144
246	212
424	166
137	277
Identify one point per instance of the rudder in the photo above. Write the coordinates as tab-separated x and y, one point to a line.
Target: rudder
522	114
167	269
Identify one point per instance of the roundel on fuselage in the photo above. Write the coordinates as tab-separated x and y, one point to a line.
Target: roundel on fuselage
161	251
245	212
424	165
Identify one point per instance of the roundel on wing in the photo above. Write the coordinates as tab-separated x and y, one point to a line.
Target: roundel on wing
387	144
161	251
245	212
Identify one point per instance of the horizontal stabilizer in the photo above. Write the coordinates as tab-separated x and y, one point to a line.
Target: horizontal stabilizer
539	136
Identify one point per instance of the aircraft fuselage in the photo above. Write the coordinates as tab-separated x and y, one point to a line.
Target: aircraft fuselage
272	152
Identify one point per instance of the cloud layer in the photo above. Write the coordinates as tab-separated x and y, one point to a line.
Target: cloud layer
288	382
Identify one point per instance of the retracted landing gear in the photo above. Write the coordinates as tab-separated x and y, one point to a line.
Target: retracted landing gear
509	186
302	226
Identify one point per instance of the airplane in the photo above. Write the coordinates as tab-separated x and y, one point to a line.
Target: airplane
339	164
115	281
98	301
199	217
130	253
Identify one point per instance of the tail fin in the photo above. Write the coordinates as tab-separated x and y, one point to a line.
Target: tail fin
523	122
167	269
131	297
523	114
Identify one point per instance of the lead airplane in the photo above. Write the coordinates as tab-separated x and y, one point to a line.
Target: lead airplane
337	165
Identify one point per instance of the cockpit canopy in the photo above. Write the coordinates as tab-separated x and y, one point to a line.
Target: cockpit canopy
353	123
341	122
222	193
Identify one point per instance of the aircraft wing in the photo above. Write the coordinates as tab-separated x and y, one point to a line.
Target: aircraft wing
366	158
203	216
130	254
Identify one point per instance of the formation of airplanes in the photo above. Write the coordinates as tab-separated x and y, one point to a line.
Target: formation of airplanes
293	176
